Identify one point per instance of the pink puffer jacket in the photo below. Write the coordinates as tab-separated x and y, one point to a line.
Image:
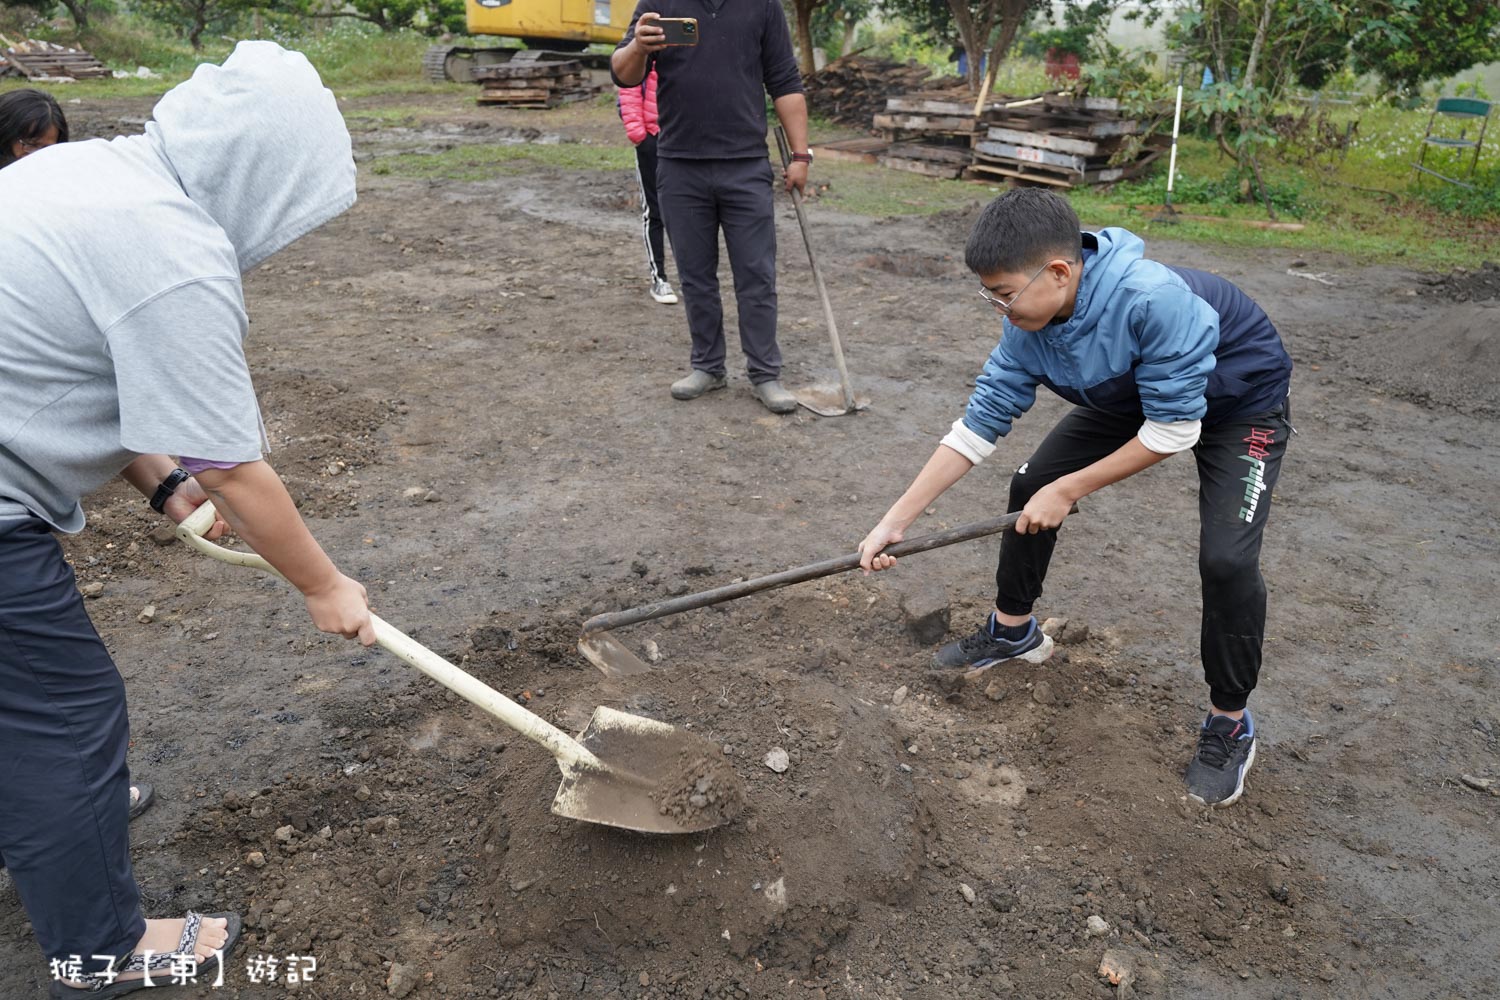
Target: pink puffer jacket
638	109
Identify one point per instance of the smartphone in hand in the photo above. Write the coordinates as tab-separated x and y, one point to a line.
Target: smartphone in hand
679	30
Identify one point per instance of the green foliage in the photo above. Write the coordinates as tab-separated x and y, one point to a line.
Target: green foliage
1287	194
194	17
432	17
1480	201
1413	41
1083	29
354	52
131	40
1131	78
1474	88
22	11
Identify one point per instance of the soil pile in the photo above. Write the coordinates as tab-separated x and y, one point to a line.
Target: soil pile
1452	360
1464	285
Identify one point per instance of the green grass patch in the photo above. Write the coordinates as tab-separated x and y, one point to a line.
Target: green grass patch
480	163
865	189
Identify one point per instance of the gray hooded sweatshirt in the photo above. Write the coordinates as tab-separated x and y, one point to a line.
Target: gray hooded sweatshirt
122	319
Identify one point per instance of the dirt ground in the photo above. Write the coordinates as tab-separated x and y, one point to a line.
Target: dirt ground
465	385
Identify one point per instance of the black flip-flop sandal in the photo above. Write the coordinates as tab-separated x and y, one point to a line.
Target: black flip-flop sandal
145	797
160	973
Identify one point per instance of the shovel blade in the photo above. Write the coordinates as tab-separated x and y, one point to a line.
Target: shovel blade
656	778
611	656
826	399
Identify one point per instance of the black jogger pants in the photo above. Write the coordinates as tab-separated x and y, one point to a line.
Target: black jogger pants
1238	461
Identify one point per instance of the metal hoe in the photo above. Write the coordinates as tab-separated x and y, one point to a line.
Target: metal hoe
621	771
823	399
611	656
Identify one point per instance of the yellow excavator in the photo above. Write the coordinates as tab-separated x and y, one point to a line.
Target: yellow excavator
546	28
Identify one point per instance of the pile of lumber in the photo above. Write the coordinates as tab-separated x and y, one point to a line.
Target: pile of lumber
40	60
930	132
1062	140
852	88
534	84
1056	138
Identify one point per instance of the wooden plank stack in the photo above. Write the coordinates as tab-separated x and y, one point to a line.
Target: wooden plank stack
41	60
931	132
852	88
1055	138
1061	140
533	84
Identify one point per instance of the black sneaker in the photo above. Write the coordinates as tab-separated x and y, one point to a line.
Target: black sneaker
982	649
1226	749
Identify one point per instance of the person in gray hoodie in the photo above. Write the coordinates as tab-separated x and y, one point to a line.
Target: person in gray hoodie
122	346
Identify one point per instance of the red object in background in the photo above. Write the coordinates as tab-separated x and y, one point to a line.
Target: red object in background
1062	64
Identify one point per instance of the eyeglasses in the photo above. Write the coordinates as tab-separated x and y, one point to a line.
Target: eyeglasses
1004	306
32	145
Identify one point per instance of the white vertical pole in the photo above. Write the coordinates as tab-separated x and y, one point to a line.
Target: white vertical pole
1172	160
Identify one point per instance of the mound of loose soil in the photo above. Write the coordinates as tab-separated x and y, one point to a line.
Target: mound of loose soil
1450	360
1464	285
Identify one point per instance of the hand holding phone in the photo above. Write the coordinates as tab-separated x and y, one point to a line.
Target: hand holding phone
679	30
648	32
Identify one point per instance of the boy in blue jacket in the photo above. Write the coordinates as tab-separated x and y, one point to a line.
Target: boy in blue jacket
1158	360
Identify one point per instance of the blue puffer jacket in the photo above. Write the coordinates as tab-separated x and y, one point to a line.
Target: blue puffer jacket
1145	339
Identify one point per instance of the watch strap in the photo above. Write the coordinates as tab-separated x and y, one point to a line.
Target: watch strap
168	486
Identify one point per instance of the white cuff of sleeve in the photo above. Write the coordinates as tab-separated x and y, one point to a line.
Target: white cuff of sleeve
1169	439
968	444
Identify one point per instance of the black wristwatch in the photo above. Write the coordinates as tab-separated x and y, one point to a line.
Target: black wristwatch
806	157
168	486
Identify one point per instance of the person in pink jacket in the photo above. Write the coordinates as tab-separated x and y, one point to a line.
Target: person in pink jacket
638	112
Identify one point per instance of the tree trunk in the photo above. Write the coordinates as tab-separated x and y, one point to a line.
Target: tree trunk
78	10
1011	18
804	11
200	21
851	29
972	37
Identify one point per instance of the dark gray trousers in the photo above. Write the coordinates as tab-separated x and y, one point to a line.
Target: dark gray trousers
64	787
1239	462
698	199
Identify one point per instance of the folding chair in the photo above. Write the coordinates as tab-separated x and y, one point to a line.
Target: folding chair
1465	109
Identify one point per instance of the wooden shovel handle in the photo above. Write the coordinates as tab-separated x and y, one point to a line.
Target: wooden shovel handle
828	567
559	744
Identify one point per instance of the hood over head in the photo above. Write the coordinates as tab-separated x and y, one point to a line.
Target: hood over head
258	143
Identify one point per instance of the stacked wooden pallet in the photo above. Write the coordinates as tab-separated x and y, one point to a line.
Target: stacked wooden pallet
1061	140
41	60
930	132
537	84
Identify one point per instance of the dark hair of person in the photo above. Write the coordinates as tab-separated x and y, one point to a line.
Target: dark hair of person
1022	230
27	114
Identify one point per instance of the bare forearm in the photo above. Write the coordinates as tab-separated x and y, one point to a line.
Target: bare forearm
1124	462
253	500
629	64
147	472
791	111
942	470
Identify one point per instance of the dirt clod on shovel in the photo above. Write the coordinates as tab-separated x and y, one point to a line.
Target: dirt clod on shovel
706	789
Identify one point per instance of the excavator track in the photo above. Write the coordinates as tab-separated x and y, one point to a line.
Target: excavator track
455	64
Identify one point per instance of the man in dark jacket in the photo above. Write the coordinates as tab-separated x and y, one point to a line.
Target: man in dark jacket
713	172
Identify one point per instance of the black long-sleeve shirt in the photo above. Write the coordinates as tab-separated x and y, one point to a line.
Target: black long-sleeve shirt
710	97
